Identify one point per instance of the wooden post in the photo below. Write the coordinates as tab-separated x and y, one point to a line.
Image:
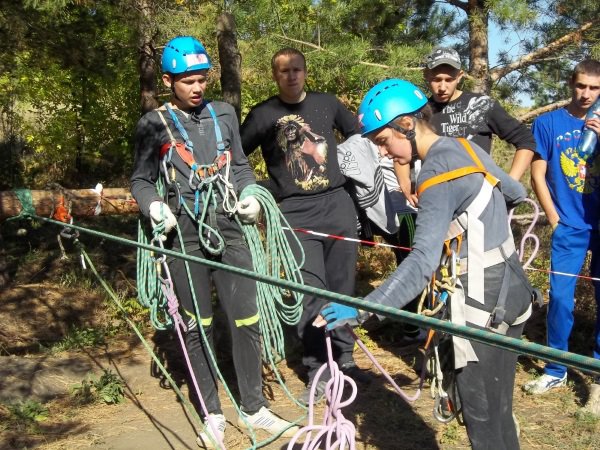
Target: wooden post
83	202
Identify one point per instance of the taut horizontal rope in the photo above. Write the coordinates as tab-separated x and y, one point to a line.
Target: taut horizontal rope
581	362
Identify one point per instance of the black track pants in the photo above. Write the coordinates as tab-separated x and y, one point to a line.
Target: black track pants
330	264
237	297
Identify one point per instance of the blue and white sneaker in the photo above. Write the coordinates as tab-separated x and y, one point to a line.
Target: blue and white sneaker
266	420
544	384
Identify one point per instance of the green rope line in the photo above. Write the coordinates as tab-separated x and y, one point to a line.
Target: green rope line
272	257
113	296
580	362
26	200
410	224
255	444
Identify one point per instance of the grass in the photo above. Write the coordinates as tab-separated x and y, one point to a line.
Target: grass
108	388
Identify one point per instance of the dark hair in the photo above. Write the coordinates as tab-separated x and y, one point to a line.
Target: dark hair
587	67
423	115
287	51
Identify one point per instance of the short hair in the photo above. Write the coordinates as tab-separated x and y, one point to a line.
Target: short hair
287	51
587	67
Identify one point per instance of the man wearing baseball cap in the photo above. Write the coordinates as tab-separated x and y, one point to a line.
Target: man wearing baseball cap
473	116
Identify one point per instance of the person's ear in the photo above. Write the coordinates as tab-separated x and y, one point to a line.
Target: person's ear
407	122
167	80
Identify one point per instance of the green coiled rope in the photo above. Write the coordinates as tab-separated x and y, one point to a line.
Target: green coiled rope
272	256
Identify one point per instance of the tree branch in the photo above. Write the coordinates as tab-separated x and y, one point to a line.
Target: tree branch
536	112
537	55
323	49
461	5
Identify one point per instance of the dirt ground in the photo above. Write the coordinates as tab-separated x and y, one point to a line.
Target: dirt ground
152	417
36	312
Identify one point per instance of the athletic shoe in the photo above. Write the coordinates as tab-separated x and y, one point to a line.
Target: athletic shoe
304	398
415	338
351	370
266	420
204	438
544	384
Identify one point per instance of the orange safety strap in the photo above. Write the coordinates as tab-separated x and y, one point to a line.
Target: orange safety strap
61	213
460	172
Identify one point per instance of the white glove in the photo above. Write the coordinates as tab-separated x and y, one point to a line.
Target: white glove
159	213
248	209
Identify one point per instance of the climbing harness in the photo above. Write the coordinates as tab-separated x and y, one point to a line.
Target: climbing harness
447	291
205	180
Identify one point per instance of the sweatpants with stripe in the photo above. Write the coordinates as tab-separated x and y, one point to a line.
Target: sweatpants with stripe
329	264
568	252
237	297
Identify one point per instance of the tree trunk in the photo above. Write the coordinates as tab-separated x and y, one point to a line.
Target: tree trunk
147	59
478	46
231	62
83	202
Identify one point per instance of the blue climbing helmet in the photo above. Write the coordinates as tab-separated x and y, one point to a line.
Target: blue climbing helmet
387	100
184	54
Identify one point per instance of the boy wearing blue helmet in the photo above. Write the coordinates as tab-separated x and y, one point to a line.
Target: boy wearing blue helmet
191	145
459	190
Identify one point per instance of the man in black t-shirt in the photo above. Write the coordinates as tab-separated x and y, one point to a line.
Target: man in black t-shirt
296	132
473	116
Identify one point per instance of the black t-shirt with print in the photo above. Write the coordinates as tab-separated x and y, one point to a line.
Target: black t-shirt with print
298	142
476	117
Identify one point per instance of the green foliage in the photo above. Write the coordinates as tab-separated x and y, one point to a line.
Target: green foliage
451	434
108	388
29	411
80	338
69	80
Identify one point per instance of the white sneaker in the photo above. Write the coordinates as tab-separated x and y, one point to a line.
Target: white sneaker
544	384
266	420
206	439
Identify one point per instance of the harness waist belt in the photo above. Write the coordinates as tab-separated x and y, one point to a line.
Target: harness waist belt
482	319
491	257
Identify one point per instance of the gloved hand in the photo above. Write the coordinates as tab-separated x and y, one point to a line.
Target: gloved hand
335	315
161	213
248	209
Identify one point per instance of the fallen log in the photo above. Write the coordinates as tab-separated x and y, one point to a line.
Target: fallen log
81	202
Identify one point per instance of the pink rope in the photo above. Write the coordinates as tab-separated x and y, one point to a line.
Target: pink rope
173	309
387	376
335	430
528	234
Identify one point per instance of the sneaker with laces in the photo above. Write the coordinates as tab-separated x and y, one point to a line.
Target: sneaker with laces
304	397
206	439
544	384
268	421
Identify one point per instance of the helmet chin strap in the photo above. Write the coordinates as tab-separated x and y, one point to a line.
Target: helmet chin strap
410	135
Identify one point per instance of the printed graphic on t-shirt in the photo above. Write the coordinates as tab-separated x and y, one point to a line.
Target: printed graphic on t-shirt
466	121
305	152
582	175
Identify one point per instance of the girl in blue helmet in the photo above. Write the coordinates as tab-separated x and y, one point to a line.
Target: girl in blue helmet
189	144
463	197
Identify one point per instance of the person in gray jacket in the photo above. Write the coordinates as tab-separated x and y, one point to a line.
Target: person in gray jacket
462	192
